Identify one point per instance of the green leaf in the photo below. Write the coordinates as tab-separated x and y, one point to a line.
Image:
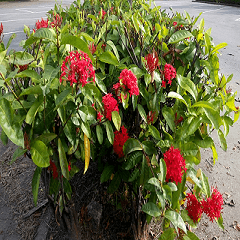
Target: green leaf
222	140
179	36
35	77
149	147
63	160
109	130
114	183
33	110
205	185
154	132
4	138
187	85
219	46
111	44
100	84
176	220
194	125
35	184
215	155
107	172
45	33
169	117
177	96
220	222
86	129
155	182
116	120
99	134
167	193
142	112
160	198
132	160
32	90
18	153
192	173
132	145
151	209
40	154
46	137
109	57
21	58
172	186
214	117
203	104
12	129
192	236
76	42
163	170
169	234
61	98
134	175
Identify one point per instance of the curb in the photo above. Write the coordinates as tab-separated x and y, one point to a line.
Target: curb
218	3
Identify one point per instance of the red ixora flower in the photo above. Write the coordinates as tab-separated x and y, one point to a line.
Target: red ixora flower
128	82
54	170
42	24
151	62
213	205
1	29
120	137
57	21
103	13
23	67
92	48
99	116
175	164
150	117
77	68
169	74
110	105
174	23
194	207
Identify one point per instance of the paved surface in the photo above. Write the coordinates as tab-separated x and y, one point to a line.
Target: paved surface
225	24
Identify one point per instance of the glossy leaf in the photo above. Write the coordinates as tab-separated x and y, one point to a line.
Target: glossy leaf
61	98
12	129
154	132
131	145
107	172
179	36
109	130
142	112
32	90
177	96
35	184
109	57
116	120
187	85
63	160
176	220
33	110
132	160
205	184
222	140
18	153
151	209
40	154
99	134
192	174
155	182
169	234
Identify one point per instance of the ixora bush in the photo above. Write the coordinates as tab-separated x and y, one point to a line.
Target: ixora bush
131	88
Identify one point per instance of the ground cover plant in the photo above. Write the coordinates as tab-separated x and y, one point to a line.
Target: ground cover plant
127	86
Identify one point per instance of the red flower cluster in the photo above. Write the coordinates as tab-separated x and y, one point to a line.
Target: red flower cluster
77	68
103	13
23	67
169	74
1	29
120	137
92	48
213	205
128	82
54	169
175	164
150	117
99	116
42	24
57	21
194	207
151	62
174	23
110	105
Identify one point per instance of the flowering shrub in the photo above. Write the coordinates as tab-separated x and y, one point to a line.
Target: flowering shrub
139	89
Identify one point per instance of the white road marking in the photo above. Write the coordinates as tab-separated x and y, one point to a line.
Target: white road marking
26	19
214	10
237	20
